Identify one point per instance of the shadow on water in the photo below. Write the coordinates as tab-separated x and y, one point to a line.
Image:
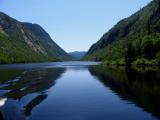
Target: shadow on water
17	84
139	86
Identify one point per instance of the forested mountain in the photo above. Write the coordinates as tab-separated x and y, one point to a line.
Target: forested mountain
26	42
133	41
77	55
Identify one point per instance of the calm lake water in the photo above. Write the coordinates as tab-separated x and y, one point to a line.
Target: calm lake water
78	91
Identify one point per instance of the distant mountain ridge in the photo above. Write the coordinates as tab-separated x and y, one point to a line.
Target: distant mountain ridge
26	42
132	41
77	55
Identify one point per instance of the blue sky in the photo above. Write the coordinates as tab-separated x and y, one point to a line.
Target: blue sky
73	24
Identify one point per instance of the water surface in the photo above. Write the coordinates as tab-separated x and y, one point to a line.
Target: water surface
78	91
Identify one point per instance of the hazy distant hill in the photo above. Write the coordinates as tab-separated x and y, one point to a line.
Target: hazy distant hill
134	40
77	54
26	42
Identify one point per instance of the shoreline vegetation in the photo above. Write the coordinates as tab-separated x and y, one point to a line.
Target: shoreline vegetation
139	62
28	62
138	68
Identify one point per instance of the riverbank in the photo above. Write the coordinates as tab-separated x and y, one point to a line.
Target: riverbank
138	62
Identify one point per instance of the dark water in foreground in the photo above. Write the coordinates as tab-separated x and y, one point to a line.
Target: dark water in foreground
78	91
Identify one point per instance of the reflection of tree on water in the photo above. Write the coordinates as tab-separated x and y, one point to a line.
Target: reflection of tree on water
37	82
140	87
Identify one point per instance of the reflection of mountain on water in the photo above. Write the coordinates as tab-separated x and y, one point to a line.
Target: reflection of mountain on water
34	81
8	74
142	88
